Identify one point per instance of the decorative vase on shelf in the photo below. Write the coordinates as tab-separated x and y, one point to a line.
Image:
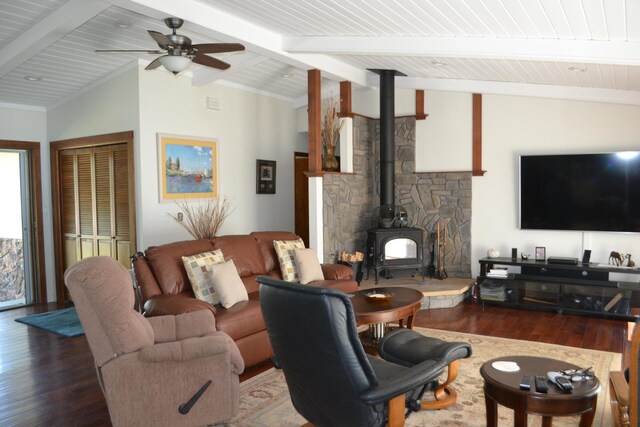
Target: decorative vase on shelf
493	253
330	161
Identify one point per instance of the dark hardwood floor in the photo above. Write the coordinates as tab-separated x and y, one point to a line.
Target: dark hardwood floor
46	380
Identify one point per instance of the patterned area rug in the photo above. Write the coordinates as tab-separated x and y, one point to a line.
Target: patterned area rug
264	399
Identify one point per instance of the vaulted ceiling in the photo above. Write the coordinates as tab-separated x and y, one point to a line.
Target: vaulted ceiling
570	49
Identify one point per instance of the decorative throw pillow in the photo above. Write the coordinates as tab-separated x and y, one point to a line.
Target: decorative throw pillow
284	249
227	283
307	265
197	267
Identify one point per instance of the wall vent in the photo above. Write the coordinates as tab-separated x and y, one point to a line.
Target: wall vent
213	104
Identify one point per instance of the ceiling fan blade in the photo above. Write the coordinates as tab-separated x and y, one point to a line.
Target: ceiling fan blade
154	64
129	50
163	41
218	47
210	62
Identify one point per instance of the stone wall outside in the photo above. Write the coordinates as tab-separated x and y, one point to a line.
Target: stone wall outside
349	199
11	269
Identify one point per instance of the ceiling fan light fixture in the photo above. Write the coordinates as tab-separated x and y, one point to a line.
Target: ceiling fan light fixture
175	63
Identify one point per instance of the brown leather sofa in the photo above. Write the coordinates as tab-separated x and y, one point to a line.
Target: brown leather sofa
165	288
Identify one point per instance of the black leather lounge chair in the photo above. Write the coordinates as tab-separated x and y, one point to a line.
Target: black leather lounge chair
331	380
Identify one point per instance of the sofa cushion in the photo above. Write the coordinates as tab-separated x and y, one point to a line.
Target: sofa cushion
198	270
241	320
265	240
244	252
227	283
166	263
307	265
284	249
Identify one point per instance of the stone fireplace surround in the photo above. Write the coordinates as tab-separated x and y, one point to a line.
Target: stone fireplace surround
349	199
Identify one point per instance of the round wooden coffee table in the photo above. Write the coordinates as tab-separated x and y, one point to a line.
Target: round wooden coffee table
503	388
400	307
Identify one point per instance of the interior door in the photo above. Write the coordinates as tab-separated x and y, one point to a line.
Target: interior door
301	196
93	201
95	204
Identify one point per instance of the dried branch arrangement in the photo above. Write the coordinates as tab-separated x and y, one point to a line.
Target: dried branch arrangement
203	220
331	123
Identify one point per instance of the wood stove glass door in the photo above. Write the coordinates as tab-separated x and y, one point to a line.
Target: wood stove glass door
402	248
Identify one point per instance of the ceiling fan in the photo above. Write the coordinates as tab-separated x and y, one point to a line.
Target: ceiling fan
178	52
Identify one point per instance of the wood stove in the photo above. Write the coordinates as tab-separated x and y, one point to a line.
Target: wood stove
394	248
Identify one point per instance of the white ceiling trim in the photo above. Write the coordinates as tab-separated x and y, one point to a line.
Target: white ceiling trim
582	51
63	20
22	107
518	89
226	27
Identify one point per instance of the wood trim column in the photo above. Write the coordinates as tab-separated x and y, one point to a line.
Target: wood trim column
477	135
420	114
345	100
315	132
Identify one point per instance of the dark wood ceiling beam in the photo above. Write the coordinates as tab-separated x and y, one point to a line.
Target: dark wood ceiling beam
477	135
420	114
315	133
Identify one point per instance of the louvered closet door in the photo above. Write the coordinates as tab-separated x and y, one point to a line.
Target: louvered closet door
95	203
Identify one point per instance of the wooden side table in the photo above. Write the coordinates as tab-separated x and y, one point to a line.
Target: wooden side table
401	308
504	388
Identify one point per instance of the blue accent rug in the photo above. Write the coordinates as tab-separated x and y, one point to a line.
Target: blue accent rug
63	322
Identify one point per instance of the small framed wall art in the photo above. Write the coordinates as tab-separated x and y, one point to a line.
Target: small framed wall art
265	176
188	167
541	253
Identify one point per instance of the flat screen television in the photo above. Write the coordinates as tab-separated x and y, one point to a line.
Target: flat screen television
584	192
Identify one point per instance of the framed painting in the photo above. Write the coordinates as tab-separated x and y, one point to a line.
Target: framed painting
188	167
265	176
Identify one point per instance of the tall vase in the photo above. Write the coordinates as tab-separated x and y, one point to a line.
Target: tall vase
330	161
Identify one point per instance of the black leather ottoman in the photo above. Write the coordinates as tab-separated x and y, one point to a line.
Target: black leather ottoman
407	347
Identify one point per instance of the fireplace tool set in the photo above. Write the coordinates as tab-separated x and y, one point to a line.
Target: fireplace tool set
438	252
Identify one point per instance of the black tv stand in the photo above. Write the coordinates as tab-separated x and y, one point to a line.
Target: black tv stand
581	289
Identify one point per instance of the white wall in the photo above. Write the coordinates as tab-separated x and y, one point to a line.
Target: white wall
520	125
512	126
23	124
248	127
105	108
445	136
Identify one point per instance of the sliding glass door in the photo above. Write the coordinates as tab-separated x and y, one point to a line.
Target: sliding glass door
16	247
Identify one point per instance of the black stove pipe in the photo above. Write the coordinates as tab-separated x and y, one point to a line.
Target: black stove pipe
387	141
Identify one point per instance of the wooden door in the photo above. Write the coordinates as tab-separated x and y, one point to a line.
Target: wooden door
301	196
94	201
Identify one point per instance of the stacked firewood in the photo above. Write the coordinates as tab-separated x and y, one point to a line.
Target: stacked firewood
348	257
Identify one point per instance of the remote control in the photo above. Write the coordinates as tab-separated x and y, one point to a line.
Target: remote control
525	382
561	381
541	384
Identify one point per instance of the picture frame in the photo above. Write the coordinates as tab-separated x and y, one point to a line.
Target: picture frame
265	176
541	253
187	167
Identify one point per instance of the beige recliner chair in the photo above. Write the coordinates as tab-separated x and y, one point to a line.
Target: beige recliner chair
160	371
